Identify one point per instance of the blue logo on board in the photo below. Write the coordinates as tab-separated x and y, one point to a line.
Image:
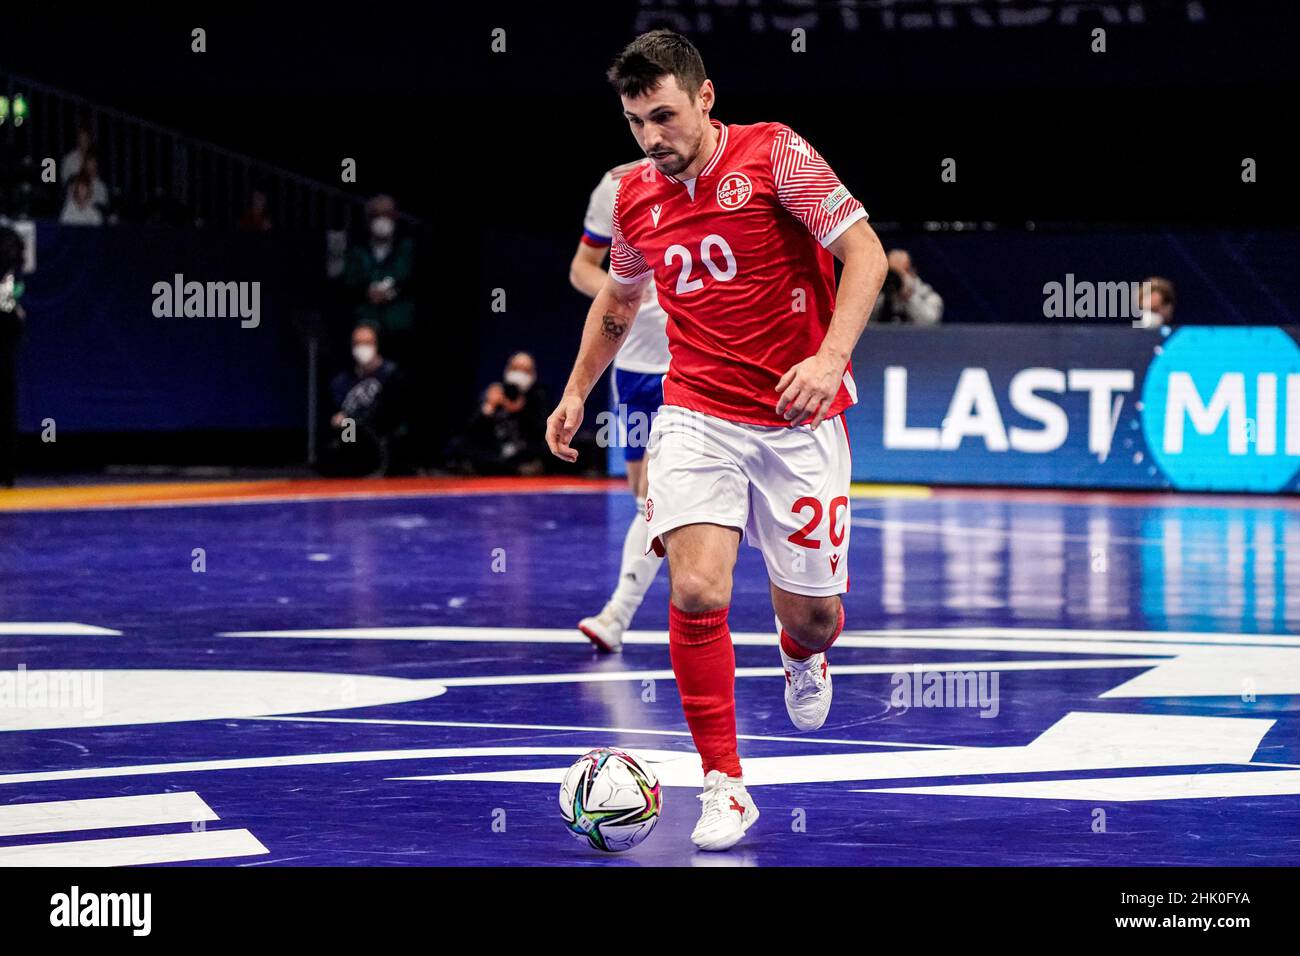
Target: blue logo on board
1221	409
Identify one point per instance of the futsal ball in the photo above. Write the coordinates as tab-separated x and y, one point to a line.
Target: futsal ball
610	800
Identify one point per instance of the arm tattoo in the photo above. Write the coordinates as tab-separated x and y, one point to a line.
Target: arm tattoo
611	328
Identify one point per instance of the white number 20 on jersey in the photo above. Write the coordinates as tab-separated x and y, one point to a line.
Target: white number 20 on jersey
708	246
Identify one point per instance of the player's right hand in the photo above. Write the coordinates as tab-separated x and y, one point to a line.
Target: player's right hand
562	425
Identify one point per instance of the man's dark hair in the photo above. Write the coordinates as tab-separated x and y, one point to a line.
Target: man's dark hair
652	56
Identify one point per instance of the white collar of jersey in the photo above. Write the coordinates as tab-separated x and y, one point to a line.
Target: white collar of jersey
717	152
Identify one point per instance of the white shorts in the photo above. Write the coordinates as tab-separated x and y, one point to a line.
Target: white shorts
786	489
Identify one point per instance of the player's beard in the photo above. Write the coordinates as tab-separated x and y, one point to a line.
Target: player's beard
670	163
677	163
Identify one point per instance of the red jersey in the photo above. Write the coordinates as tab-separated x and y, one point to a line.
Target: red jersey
740	265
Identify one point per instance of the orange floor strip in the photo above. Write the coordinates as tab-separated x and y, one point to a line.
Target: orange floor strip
158	494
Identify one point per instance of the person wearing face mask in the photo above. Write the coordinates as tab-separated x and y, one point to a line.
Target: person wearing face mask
377	276
519	380
507	435
368	428
1155	303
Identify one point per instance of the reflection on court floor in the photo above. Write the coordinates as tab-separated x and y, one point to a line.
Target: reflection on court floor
307	676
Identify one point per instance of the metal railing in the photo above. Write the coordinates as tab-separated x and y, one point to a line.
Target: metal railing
147	164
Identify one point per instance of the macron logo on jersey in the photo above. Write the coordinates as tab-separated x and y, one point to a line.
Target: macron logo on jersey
654	214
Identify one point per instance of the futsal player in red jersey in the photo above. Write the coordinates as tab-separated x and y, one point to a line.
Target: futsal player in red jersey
737	226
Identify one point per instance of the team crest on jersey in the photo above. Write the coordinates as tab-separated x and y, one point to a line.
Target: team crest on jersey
734	190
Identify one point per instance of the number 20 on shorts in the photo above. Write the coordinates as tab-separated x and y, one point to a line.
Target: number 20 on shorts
803	538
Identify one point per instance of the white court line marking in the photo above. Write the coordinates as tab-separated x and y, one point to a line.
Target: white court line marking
1153	758
601	677
120	697
1079	741
960	638
1193	638
1175	786
605	730
55	629
134	851
98	814
150	697
284	760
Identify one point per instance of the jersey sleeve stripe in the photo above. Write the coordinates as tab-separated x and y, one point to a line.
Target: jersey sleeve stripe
809	189
839	230
595	239
626	264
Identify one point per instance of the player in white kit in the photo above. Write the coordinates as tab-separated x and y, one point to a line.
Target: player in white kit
637	387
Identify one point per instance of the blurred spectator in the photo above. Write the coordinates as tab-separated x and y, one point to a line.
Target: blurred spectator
377	275
507	436
79	210
905	297
1155	303
368	427
11	325
70	168
255	217
98	190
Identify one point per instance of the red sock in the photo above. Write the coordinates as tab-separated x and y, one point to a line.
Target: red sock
793	649
704	663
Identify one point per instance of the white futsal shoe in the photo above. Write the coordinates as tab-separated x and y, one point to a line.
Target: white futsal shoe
605	630
727	813
807	690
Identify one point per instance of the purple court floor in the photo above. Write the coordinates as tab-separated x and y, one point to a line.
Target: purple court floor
397	681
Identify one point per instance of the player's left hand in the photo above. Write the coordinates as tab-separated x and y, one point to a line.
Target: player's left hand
808	389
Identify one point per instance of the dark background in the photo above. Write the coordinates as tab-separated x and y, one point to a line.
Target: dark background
1153	130
497	152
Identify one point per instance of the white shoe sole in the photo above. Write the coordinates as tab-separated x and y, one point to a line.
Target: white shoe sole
601	642
727	842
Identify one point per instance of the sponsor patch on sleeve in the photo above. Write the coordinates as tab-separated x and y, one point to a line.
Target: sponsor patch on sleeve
835	199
